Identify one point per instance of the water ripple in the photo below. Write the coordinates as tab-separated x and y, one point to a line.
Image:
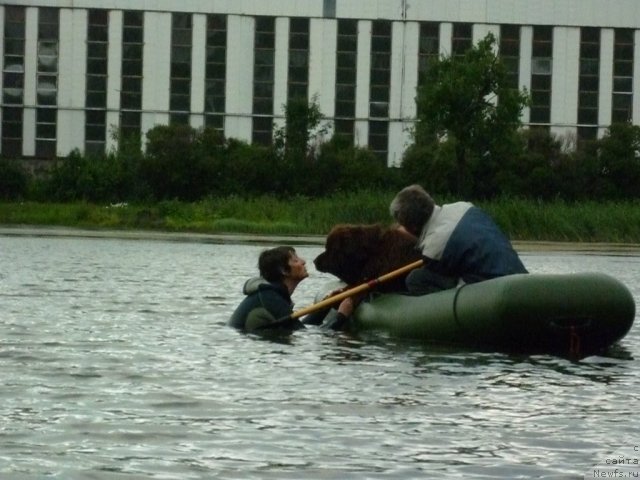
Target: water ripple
117	363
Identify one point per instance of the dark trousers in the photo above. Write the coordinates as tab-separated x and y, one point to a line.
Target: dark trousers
422	281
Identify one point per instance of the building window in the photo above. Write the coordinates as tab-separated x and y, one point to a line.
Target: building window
462	38
541	69
589	83
379	87
298	77
346	70
264	48
510	53
13	81
180	87
47	82
622	76
131	90
216	71
96	92
428	47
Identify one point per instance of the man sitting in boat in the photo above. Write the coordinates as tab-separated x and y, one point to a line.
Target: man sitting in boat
267	306
459	242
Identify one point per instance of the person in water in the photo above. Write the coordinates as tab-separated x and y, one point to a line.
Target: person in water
267	306
458	241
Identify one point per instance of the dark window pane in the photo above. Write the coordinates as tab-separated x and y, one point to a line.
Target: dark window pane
96	99
132	68
297	90
11	148
97	50
214	121
131	101
263	90
345	75
46	148
180	86
132	52
46	115
299	41
97	66
589	84
263	73
96	83
180	102
130	119
264	106
14	47
264	40
217	54
298	74
96	117
181	20
98	34
347	44
264	57
179	119
180	70
13	29
588	116
345	109
623	68
130	84
622	84
540	115
132	35
95	132
379	109
588	100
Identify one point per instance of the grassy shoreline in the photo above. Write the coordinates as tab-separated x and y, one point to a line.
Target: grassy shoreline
523	220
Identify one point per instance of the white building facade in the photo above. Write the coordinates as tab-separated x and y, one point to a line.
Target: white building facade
75	71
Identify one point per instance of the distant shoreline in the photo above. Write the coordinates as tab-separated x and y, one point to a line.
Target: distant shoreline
244	238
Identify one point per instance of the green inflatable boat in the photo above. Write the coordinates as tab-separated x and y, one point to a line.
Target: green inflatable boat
575	314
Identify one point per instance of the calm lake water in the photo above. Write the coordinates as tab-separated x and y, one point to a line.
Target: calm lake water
116	363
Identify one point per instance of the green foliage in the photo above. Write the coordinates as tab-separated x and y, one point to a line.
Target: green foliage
170	168
619	155
521	219
467	100
302	122
14	180
89	178
341	166
432	165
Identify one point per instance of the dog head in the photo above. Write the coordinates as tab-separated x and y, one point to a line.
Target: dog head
348	249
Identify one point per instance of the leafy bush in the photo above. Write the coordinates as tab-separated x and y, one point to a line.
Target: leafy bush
14	180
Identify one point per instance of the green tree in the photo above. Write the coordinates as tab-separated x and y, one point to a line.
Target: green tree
14	180
468	101
619	154
293	142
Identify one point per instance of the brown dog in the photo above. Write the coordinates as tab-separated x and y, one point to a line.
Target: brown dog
358	253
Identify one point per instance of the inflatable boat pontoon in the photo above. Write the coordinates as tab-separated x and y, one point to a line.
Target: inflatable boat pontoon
575	314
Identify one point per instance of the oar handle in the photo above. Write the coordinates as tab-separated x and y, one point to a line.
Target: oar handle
355	290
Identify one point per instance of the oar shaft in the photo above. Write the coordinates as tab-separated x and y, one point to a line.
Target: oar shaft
355	290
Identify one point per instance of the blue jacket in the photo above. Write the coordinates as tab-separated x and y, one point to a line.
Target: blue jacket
264	307
463	241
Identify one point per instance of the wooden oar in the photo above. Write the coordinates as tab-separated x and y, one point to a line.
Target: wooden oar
352	291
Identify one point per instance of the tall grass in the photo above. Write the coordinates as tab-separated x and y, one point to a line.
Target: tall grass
562	221
521	219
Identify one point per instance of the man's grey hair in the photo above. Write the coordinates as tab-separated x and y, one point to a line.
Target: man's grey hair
412	208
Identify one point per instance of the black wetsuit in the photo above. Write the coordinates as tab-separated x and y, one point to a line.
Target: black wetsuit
267	307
